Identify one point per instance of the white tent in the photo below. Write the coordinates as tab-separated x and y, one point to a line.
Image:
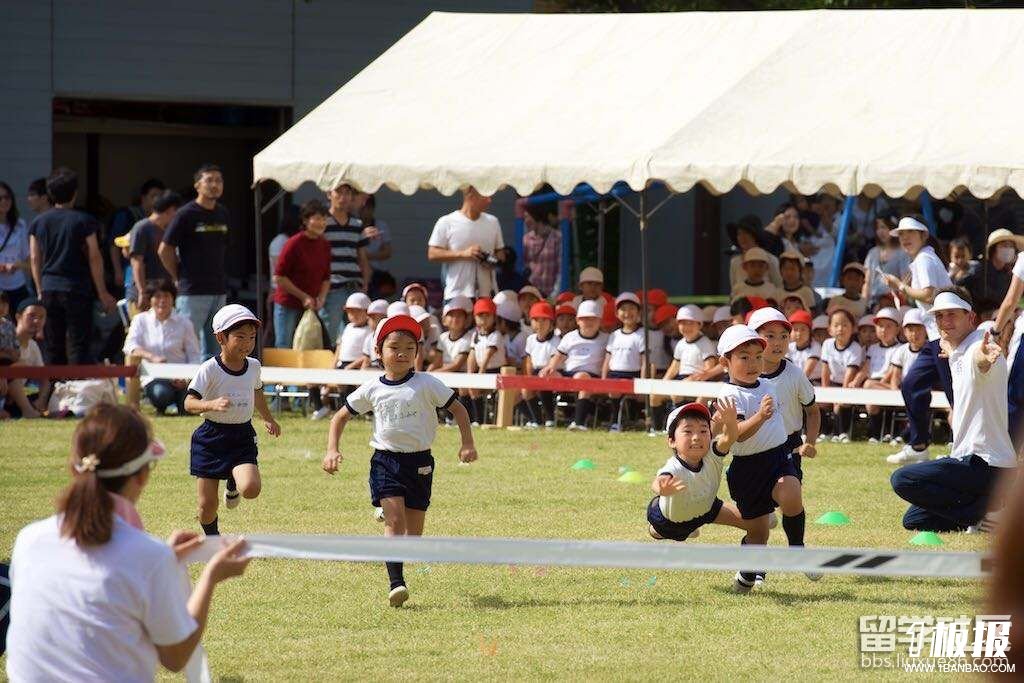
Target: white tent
850	100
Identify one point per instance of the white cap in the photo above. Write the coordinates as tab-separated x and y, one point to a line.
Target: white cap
230	315
412	286
820	323
709	313
690	313
888	313
737	335
908	223
627	296
505	295
591	274
357	300
509	310
378	307
949	301
722	314
398	308
461	303
530	289
866	321
588	309
763	316
915	316
418	313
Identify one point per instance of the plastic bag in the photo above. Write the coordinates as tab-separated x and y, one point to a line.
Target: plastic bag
310	333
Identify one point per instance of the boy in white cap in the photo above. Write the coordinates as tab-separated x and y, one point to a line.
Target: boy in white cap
762	474
455	342
592	289
877	361
694	354
902	359
721	320
625	356
581	353
352	340
225	391
377	311
755	265
819	329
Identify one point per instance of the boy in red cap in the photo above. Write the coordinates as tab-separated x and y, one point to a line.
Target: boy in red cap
404	405
489	349
540	347
804	351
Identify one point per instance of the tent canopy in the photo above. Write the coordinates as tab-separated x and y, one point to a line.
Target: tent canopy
850	101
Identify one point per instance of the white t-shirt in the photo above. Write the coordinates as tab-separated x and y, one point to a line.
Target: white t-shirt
352	341
540	350
583	354
980	419
94	614
626	350
404	411
467	277
516	348
369	350
30	355
213	380
692	354
451	349
772	433
793	393
903	357
838	359
765	290
926	270
661	357
701	486
801	356
494	340
879	358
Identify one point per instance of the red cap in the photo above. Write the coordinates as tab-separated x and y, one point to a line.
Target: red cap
485	306
664	312
542	309
698	409
404	323
565	296
802	317
657	297
565	309
757	302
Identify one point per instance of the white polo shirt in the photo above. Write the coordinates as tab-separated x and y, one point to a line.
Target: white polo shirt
692	354
879	358
772	432
583	354
839	359
482	342
626	350
793	393
701	486
980	411
903	357
352	340
467	277
801	356
451	349
540	350
95	614
404	411
214	380
926	270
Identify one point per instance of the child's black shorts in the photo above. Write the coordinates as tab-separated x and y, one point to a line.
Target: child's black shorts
217	448
751	479
678	531
404	475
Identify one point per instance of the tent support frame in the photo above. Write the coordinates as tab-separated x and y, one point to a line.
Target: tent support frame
259	209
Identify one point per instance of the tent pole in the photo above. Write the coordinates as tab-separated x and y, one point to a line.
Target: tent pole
257	195
928	211
844	226
600	234
644	317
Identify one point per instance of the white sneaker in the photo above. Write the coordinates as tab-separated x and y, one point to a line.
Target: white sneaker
813	576
231	499
822	438
573	427
773	520
759	578
896	442
740	585
378	514
844	438
531	425
398	596
908	455
615	428
549	424
321	413
872	440
887	438
835	438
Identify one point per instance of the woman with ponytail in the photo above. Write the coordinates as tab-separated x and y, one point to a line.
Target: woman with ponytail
93	596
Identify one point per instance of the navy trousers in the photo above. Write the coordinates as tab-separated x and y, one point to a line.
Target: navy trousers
947	494
927	371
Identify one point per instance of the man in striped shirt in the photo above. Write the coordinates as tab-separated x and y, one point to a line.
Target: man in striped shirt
350	267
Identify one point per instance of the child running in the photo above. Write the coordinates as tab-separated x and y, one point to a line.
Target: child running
225	391
761	475
404	404
687	485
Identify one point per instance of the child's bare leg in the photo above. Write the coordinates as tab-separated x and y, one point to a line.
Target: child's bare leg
414	520
395	521
788	494
729	515
206	491
247	479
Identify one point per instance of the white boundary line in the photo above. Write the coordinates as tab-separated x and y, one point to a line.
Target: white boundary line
619	554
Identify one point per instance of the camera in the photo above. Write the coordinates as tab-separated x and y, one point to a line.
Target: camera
488	258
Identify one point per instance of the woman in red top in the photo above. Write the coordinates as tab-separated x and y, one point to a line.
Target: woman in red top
303	273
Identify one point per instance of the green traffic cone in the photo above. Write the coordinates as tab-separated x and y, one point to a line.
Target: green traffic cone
926	538
625	468
633	478
833	518
584	464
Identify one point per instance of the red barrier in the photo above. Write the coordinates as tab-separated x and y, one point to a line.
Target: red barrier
66	371
595	386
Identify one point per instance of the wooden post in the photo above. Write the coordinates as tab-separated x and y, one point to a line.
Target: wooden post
506	401
133	385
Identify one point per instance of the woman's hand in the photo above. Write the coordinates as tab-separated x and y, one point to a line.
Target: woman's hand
228	562
183	542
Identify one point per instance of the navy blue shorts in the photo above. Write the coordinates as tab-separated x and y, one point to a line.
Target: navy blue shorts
623	374
751	479
217	448
793	443
403	475
678	531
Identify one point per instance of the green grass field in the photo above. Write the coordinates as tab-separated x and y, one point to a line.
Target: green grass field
326	621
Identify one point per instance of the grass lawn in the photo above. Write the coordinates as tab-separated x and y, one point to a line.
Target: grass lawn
305	621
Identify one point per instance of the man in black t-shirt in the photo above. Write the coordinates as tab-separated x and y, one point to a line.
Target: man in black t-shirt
193	252
144	240
67	269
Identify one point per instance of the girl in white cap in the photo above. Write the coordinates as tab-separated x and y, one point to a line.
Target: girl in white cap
581	353
455	342
225	391
877	362
625	356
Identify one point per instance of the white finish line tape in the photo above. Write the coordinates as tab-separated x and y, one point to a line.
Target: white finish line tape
462	380
619	554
